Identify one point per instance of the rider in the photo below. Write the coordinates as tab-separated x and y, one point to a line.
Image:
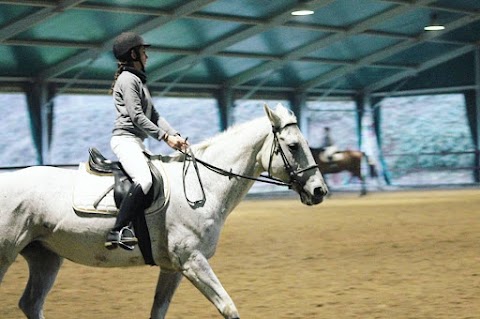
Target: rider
328	146
136	119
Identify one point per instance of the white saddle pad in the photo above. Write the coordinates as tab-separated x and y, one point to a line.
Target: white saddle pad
93	192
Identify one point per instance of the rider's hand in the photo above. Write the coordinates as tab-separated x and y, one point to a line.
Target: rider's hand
176	142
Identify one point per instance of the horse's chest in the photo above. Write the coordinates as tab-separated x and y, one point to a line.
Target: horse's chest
208	233
211	231
201	235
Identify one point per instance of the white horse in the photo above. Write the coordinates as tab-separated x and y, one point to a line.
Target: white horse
38	222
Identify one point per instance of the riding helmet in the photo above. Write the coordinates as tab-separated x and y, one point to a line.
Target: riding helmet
125	42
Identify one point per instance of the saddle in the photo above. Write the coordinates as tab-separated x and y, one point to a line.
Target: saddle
102	184
100	165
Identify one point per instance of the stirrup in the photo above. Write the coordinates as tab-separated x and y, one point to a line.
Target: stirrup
124	238
127	238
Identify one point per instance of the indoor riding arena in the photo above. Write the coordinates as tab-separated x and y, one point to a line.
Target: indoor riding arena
362	116
388	255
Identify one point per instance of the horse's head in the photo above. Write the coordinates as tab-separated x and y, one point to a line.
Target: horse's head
286	156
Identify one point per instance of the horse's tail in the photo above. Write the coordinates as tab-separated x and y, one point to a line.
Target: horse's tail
372	168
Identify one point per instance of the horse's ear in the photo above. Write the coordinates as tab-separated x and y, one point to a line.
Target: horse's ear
267	109
274	119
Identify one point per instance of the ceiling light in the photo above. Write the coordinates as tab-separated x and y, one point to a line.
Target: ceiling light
434	25
302	10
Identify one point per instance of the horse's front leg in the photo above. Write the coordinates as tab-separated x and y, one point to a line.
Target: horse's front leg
198	271
166	286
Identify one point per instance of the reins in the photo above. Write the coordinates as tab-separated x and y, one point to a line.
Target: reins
230	174
190	157
268	179
200	202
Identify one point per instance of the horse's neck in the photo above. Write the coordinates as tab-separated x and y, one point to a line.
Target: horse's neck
235	150
236	147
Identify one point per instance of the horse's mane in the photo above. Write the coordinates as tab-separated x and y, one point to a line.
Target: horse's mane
285	115
238	131
234	130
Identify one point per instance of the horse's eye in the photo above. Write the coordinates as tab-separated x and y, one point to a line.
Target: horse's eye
293	147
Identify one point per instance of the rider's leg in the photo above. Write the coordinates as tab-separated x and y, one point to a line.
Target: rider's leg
130	153
132	204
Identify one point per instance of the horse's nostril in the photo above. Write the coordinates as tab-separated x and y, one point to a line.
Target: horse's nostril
319	191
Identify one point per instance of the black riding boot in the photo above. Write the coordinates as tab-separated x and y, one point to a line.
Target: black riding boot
121	234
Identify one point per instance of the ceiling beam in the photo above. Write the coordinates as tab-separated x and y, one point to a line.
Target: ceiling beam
224	43
385	53
90	85
422	67
50	43
95	48
25	23
435	7
31	3
324	42
428	91
247	20
208	16
241	55
186	52
182	51
183	10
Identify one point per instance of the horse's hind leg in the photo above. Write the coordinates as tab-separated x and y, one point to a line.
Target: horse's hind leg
43	266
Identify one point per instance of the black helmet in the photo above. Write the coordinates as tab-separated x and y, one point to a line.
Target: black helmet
125	42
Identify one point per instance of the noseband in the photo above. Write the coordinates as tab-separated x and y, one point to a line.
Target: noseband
294	181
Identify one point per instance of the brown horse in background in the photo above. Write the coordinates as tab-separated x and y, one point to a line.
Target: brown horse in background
351	161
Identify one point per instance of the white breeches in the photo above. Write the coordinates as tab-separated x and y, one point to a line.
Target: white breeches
129	151
330	150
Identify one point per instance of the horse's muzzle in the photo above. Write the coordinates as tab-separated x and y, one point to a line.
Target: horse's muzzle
318	194
314	198
320	191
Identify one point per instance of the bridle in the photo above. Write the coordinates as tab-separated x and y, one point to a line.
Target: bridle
294	181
